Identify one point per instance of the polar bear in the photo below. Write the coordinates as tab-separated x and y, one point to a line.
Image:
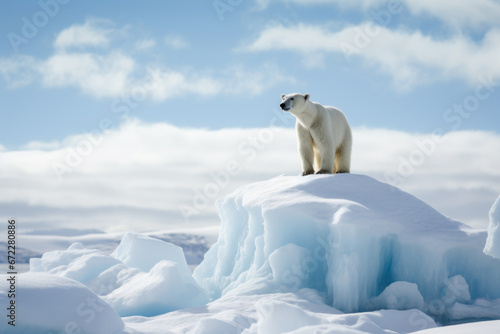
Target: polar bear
323	133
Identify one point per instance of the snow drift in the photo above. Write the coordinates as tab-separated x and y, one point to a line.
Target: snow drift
362	243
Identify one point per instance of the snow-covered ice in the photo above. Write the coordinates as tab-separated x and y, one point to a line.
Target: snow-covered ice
143	276
399	296
53	304
319	254
349	237
136	251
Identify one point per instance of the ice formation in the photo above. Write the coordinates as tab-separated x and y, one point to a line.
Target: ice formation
143	276
361	242
54	304
141	252
317	254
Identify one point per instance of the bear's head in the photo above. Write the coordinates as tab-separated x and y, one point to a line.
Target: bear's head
294	102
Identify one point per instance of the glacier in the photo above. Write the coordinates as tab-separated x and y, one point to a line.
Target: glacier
340	253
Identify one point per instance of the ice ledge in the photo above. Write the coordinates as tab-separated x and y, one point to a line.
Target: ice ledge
347	236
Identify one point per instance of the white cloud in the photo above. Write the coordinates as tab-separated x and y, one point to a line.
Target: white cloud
235	80
100	76
358	3
113	73
173	83
141	176
91	33
312	39
18	71
176	42
239	80
459	14
145	44
41	145
409	57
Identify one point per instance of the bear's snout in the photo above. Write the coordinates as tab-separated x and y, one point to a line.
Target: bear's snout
284	107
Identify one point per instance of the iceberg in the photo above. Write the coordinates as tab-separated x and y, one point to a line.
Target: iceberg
362	243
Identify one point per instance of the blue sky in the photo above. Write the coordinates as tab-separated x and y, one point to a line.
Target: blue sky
158	97
190	39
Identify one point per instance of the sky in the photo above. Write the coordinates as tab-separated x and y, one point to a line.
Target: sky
128	115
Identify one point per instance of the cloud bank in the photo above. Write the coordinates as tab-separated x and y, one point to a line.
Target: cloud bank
149	176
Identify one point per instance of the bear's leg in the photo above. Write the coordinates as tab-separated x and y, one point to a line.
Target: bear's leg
317	158
306	150
343	159
327	161
325	144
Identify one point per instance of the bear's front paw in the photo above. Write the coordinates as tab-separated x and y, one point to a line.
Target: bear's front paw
309	172
322	171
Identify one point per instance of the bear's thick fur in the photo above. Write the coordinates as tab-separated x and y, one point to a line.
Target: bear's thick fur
323	133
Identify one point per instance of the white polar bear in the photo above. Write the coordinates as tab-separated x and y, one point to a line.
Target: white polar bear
323	133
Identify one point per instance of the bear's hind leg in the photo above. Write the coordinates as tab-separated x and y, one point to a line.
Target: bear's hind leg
342	160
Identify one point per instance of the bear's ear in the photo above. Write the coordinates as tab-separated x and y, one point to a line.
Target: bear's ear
306	97
283	96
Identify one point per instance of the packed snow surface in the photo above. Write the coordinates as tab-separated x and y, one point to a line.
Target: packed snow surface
318	254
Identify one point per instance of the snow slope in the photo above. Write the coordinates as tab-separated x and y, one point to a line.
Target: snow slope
318	254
